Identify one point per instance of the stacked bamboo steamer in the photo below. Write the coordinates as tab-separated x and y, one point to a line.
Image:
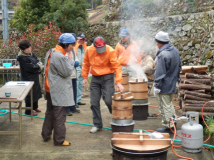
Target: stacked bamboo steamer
125	83
139	90
122	117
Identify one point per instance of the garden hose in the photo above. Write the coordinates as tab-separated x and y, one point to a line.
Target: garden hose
6	111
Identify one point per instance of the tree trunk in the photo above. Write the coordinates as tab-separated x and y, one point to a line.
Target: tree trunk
191	69
196	76
199	105
198	109
181	100
204	81
195	83
194	102
204	113
194	87
182	76
198	94
195	98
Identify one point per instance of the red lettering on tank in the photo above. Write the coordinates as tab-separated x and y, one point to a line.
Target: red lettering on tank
186	135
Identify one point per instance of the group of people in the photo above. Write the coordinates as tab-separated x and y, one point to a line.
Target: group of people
67	67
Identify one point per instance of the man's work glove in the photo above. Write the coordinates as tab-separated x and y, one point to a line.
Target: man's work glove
156	90
76	63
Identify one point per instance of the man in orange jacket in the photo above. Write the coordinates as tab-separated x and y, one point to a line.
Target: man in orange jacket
102	61
80	50
128	53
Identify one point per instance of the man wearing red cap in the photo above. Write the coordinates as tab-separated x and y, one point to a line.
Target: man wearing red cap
102	60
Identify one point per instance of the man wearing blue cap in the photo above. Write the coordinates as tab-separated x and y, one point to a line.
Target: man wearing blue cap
128	53
168	67
59	94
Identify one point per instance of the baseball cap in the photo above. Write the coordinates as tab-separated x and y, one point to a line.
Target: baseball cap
75	36
124	33
100	44
81	36
67	38
162	37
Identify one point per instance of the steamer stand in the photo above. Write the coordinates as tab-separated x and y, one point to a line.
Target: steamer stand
139	90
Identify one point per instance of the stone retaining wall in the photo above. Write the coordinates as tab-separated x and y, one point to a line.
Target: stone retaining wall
191	34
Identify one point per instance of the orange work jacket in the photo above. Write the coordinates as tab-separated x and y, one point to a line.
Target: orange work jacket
101	63
129	54
77	46
57	48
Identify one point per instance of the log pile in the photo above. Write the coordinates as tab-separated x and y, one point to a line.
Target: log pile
196	89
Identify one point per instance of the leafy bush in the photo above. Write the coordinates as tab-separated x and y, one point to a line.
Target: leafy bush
210	122
41	41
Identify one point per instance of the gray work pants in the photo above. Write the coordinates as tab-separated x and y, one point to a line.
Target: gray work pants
55	117
101	86
166	108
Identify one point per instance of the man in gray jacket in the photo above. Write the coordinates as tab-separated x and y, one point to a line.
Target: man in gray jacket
168	67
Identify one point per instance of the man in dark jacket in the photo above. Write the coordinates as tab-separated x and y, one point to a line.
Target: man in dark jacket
168	67
30	68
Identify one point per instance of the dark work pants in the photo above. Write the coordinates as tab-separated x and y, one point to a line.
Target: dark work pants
74	84
101	86
55	117
35	106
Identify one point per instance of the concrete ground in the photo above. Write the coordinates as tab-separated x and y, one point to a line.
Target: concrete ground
84	145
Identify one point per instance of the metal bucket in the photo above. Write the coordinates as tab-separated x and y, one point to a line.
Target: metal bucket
119	154
122	127
140	112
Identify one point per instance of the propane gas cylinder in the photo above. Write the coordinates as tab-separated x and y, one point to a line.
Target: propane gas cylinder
192	133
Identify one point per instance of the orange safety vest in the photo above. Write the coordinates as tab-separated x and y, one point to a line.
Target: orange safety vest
77	46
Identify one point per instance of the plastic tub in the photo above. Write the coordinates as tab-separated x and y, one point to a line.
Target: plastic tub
6	65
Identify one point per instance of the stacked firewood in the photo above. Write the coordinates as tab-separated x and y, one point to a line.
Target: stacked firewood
195	90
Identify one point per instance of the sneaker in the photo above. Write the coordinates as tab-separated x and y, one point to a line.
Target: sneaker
76	111
94	129
77	106
68	114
